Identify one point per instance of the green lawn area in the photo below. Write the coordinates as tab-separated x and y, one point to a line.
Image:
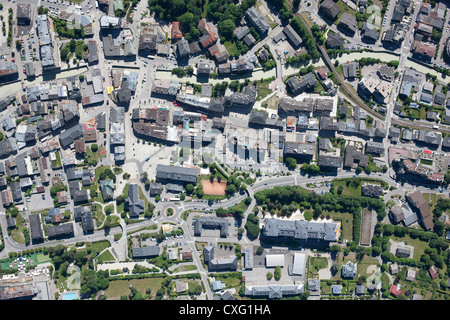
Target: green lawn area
99	170
364	264
318	88
119	207
57	163
419	245
43	258
230	282
100	245
231	48
262	92
349	190
271	103
94	155
344	8
111	205
346	223
426	162
122	287
17	232
99	216
189	267
432	199
105	256
315	264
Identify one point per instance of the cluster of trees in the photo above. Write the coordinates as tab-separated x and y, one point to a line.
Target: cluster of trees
318	33
236	210
73	47
233	185
274	199
291	163
283	9
66	31
252	226
308	40
9	39
302	58
435	254
181	72
311	169
368	61
107	174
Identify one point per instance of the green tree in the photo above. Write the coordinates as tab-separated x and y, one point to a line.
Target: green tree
277	273
269	276
226	28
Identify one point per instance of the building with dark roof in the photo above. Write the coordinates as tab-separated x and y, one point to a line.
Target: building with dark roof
301	229
372	190
183	49
420	205
222	264
133	204
330	9
36	233
60	231
292	36
348	22
176	174
354	158
257	20
92	55
23	14
145	252
331	162
211	223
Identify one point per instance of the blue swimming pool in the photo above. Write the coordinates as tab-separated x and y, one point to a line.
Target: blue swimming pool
70	296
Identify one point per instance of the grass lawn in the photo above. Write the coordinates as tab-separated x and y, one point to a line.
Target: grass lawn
100	245
229	281
111	205
315	264
189	267
57	163
99	216
426	162
262	93
99	170
419	245
105	256
349	190
94	155
271	103
119	207
432	199
344	8
231	48
306	17
364	264
17	232
43	258
318	88
346	223
122	287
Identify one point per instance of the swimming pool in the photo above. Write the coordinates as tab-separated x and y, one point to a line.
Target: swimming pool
70	296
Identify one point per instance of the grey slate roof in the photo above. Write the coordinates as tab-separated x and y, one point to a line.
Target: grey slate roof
292	35
211	222
301	229
135	206
144	252
176	174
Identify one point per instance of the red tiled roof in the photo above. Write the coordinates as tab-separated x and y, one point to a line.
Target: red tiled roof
394	290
